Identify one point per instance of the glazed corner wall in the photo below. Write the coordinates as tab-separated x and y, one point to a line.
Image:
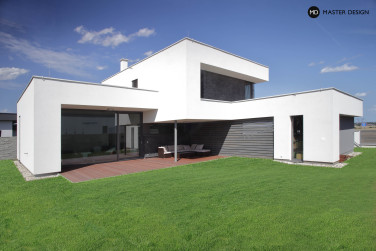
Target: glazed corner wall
25	127
40	110
344	105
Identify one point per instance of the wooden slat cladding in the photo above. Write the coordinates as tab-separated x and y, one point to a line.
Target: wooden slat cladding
250	137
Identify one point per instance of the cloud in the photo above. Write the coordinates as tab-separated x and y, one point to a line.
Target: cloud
11	25
145	32
8	73
100	68
4	110
361	94
60	61
109	37
345	67
133	60
313	63
349	58
148	53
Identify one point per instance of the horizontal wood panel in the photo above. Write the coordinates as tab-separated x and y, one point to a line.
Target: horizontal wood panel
251	137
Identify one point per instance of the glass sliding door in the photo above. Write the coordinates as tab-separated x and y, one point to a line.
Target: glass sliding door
129	125
89	136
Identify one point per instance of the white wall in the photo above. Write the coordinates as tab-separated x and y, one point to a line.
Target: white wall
164	72
42	119
320	110
25	127
129	136
6	128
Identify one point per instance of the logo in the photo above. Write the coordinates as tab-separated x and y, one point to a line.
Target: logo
313	12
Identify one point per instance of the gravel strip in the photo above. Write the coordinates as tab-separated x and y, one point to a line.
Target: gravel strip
334	165
28	176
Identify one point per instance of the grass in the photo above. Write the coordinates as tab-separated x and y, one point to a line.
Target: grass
234	203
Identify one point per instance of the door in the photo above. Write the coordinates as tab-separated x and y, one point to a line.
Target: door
297	138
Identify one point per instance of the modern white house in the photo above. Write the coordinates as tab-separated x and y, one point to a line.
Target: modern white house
187	93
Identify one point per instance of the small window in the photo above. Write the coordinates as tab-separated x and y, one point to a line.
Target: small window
135	83
248	91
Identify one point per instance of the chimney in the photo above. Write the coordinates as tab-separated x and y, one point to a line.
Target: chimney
123	64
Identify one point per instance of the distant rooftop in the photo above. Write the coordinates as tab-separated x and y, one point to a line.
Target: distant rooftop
8	116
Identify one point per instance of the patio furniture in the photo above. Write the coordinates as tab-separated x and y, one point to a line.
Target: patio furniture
183	151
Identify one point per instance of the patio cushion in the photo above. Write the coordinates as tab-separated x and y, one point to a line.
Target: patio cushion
170	148
203	151
180	147
193	146
199	147
187	147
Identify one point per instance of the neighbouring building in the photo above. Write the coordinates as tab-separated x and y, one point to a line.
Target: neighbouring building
8	125
207	93
8	136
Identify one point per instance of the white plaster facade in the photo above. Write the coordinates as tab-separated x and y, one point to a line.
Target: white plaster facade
169	90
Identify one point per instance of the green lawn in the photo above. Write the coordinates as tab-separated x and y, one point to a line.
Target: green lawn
234	203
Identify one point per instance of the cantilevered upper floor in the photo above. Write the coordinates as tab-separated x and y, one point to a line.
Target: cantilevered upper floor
188	71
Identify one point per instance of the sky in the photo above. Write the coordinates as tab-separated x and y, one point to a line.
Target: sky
85	40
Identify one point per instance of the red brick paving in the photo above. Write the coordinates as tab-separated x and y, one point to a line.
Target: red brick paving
103	170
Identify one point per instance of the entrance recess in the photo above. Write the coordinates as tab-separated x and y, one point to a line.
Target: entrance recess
297	137
89	136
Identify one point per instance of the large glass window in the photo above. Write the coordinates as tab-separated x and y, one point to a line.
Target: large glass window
96	136
221	87
129	125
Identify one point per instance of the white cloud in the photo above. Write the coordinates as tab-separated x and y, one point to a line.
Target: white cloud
8	73
133	60
148	53
11	25
361	94
60	61
345	67
101	67
313	63
109	37
348	58
4	110
145	32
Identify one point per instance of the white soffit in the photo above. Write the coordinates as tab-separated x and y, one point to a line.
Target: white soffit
229	73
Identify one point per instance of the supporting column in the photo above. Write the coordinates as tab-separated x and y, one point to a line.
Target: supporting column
176	140
117	137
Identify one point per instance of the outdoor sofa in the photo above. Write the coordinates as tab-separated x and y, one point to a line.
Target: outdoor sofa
183	150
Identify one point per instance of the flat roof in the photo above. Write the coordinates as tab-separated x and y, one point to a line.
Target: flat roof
181	40
8	116
80	82
283	95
